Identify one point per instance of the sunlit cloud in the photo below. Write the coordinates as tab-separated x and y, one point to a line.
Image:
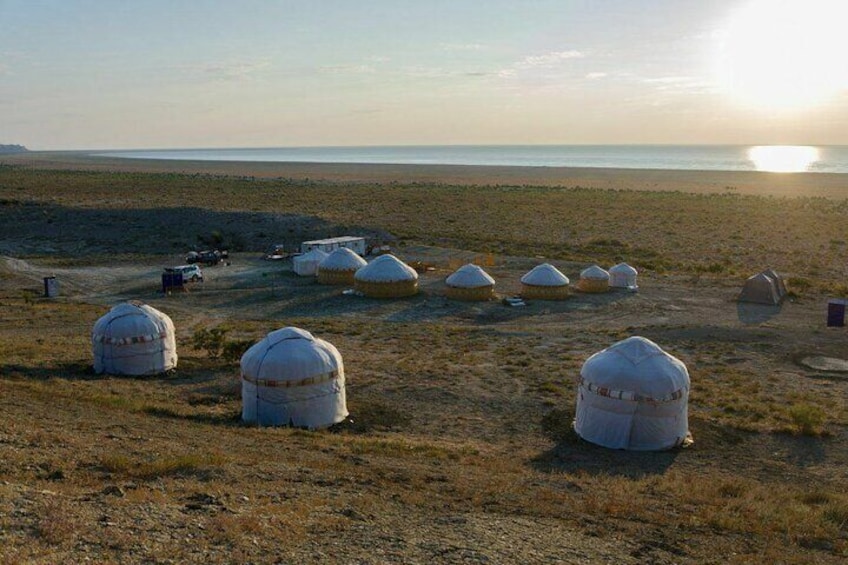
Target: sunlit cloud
348	69
230	70
596	75
549	59
460	46
545	62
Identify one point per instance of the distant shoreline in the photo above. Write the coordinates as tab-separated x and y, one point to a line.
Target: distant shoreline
829	185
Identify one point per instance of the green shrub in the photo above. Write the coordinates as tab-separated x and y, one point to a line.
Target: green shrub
212	341
807	419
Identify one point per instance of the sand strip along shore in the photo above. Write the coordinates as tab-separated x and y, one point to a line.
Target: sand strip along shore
774	184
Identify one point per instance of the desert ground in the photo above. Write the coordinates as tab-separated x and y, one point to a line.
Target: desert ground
459	446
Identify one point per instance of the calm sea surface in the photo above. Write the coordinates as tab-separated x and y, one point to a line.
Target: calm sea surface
814	159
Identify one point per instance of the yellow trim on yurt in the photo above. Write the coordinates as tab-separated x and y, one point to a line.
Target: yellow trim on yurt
478	293
593	285
394	289
538	292
326	276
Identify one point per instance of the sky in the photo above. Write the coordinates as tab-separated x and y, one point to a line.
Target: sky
120	74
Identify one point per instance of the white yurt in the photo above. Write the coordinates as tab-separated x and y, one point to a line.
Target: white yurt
544	282
633	395
292	378
386	277
134	339
306	265
470	282
339	267
593	279
623	276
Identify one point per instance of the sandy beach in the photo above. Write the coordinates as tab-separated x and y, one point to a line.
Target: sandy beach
705	182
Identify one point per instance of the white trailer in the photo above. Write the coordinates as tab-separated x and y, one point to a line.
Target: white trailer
355	244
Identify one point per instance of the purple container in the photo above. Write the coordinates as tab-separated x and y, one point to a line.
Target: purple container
836	312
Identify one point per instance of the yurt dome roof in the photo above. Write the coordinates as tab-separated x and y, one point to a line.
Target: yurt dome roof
636	366
469	276
386	268
594	273
313	254
342	259
624	269
129	322
545	275
289	354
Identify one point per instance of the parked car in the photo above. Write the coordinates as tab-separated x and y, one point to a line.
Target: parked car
207	257
190	273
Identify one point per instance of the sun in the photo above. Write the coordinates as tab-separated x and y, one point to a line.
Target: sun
785	54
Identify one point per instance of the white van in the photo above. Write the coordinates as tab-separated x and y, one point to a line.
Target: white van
191	273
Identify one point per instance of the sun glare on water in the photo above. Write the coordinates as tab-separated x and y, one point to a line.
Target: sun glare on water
783	158
785	54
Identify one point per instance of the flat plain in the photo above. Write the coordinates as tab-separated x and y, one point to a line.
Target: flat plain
459	446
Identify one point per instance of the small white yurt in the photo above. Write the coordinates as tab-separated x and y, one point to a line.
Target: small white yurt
134	339
623	276
593	279
386	277
292	378
633	395
544	282
306	265
339	267
470	282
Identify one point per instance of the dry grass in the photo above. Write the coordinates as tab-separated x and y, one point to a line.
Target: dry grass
460	430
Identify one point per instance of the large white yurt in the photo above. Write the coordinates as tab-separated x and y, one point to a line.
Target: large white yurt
386	277
633	395
339	267
544	282
470	282
134	339
292	378
306	265
593	279
623	276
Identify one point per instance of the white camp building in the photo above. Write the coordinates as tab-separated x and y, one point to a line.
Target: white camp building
544	282
470	282
292	378
633	395
134	339
386	277
306	265
339	267
623	276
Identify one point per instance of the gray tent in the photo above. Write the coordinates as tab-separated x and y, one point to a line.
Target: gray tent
761	289
778	279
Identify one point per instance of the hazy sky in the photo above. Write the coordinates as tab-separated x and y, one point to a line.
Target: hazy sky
104	74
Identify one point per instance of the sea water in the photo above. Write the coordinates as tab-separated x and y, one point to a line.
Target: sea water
814	159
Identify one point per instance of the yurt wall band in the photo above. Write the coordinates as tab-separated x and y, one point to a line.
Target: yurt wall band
291	378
